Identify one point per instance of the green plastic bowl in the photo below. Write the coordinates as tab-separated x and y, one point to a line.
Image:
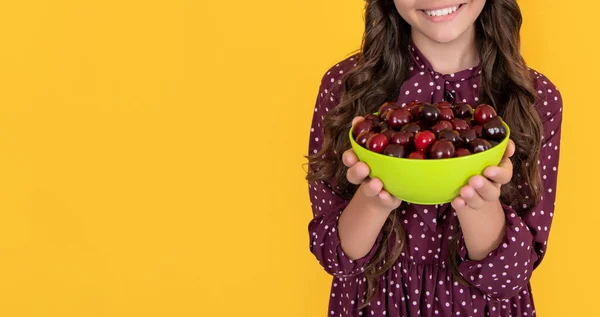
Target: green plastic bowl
431	181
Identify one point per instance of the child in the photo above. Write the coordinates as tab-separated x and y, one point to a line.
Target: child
475	255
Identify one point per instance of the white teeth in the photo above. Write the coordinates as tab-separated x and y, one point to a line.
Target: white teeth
441	12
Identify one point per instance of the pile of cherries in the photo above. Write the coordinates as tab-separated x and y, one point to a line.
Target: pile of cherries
430	131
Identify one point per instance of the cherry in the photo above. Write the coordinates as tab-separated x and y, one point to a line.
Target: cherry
387	107
463	110
395	150
446	114
361	126
411	104
422	124
442	149
430	114
493	143
441	126
363	138
483	113
460	124
468	135
462	152
494	129
377	142
417	155
452	136
423	140
404	138
398	117
414	109
478	130
412	127
480	145
443	105
388	132
373	118
383	126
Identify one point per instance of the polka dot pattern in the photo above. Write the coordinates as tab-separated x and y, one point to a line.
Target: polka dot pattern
420	283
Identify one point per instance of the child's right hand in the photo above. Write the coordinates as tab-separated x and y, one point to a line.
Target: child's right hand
370	193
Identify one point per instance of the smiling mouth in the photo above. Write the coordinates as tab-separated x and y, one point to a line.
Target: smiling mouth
442	11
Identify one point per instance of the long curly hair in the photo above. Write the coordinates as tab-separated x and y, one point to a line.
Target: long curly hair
383	62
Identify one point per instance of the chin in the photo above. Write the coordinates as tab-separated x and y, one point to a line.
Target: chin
442	36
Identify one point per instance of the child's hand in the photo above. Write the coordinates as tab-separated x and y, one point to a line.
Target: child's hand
370	192
483	193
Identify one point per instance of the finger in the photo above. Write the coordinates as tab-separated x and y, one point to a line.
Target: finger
385	196
389	200
349	158
510	149
501	174
356	119
471	197
458	203
357	173
372	187
487	190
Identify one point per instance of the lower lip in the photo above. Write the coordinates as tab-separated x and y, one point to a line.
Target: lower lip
444	18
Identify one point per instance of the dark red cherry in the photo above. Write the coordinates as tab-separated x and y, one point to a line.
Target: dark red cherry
452	136
480	145
478	130
494	129
377	142
446	114
388	133
442	149
383	126
463	110
373	118
395	150
383	110
362	126
412	127
493	143
398	117
423	125
417	155
441	126
468	135
460	124
414	109
462	152
363	138
423	140
430	114
403	138
443	105
411	104
483	113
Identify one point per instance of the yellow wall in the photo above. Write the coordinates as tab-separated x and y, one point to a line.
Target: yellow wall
152	150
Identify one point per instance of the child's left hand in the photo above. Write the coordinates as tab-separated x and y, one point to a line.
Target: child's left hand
482	193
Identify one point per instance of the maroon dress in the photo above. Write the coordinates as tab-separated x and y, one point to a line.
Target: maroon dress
420	283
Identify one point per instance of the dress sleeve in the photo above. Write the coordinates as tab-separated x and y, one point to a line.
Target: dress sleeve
506	270
326	205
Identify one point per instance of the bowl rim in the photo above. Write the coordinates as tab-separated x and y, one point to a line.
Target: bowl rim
387	157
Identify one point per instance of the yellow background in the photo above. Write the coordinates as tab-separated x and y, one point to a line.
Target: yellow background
152	155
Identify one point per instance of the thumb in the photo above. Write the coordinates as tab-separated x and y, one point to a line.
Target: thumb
356	119
510	149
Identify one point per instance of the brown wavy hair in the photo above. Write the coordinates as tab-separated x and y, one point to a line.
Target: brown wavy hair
383	62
